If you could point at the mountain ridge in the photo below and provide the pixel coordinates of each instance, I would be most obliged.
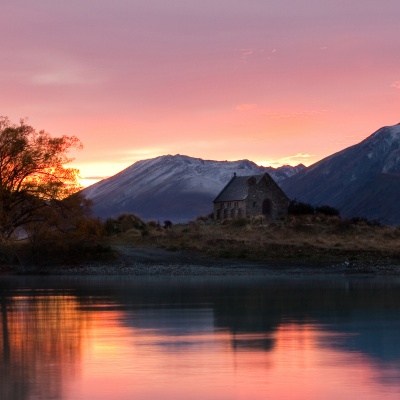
(356, 180)
(176, 187)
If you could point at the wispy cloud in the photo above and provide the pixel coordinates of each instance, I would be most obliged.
(279, 114)
(60, 69)
(57, 78)
(245, 107)
(296, 159)
(247, 53)
(395, 85)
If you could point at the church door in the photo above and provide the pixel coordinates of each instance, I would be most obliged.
(267, 207)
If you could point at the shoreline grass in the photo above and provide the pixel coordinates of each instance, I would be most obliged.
(308, 239)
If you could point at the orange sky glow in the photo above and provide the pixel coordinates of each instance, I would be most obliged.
(276, 82)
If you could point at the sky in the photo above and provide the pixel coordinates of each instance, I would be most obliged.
(273, 81)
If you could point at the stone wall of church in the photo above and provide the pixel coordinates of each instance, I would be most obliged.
(266, 198)
(229, 209)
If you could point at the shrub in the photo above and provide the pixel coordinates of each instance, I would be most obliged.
(300, 208)
(89, 228)
(365, 221)
(240, 222)
(205, 218)
(111, 227)
(328, 210)
(345, 226)
(124, 223)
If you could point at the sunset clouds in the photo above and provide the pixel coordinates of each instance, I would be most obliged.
(227, 79)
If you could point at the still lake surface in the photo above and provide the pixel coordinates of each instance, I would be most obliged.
(95, 338)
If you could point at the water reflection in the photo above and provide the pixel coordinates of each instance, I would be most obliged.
(41, 339)
(210, 338)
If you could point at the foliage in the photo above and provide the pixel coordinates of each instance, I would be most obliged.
(59, 233)
(124, 223)
(365, 221)
(300, 208)
(205, 218)
(70, 217)
(328, 210)
(32, 174)
(240, 222)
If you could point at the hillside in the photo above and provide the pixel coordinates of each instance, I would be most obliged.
(362, 180)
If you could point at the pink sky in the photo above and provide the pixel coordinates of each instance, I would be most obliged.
(277, 82)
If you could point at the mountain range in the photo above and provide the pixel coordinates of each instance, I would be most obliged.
(361, 181)
(172, 187)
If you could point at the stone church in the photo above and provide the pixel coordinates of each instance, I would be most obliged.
(246, 196)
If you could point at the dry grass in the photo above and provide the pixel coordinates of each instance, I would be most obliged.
(308, 239)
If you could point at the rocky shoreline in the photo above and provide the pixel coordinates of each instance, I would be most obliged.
(151, 261)
(230, 270)
(155, 261)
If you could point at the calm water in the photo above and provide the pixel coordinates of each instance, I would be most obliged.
(193, 338)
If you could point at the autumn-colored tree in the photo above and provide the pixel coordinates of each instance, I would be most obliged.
(62, 232)
(33, 175)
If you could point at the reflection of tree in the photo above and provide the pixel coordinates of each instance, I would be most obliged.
(41, 339)
(5, 336)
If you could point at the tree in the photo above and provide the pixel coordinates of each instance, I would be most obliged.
(33, 175)
(62, 232)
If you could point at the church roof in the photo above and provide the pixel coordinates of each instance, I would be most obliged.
(237, 188)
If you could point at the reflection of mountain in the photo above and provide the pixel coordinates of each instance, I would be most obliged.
(172, 322)
(374, 335)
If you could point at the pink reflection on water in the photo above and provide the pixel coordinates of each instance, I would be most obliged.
(123, 362)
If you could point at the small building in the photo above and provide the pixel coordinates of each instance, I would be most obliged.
(246, 196)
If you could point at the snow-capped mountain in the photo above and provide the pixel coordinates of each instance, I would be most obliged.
(178, 188)
(362, 180)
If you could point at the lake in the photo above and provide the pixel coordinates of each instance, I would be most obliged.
(183, 338)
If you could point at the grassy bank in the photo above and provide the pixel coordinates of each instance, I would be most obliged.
(304, 239)
(314, 240)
